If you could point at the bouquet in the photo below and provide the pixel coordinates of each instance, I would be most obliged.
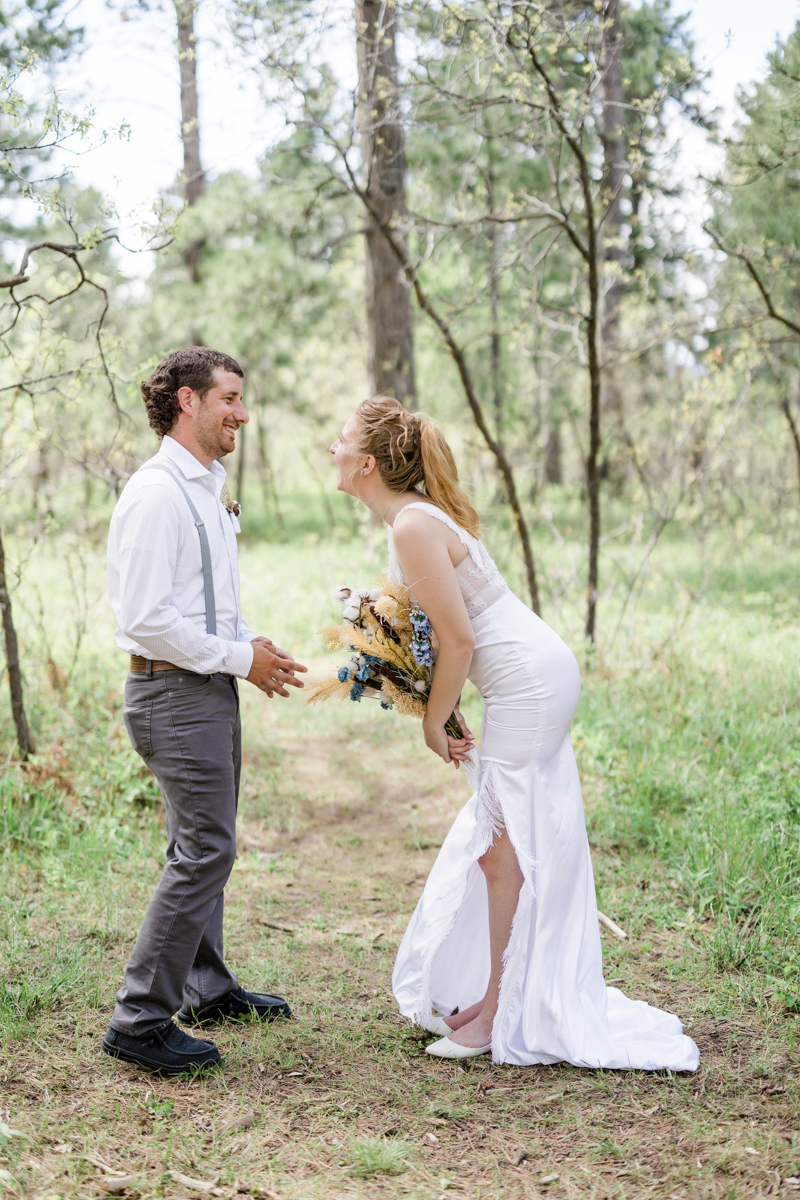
(392, 646)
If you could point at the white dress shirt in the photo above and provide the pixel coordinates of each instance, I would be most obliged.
(155, 570)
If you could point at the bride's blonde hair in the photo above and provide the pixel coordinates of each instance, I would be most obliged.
(410, 452)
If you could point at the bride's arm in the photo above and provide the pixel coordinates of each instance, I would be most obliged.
(421, 543)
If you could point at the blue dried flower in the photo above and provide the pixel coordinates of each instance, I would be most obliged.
(343, 674)
(423, 655)
(420, 622)
(362, 673)
(356, 691)
(385, 705)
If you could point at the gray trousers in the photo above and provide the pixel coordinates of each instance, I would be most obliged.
(187, 729)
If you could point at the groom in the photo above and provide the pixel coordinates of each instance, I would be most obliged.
(173, 581)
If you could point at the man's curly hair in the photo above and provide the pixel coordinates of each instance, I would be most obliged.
(192, 367)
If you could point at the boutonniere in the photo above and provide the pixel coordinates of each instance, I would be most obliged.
(231, 505)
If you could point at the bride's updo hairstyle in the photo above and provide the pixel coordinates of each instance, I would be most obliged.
(410, 453)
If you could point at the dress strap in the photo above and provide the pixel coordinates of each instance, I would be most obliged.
(472, 544)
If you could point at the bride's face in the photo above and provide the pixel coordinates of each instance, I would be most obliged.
(348, 459)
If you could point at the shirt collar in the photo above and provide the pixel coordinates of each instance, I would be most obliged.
(190, 467)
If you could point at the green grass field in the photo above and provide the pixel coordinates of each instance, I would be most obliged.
(687, 740)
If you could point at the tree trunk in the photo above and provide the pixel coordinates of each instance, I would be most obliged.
(592, 253)
(594, 265)
(787, 412)
(553, 472)
(240, 466)
(389, 329)
(494, 273)
(194, 184)
(24, 740)
(614, 168)
(267, 473)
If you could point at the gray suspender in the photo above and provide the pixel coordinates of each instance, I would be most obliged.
(205, 552)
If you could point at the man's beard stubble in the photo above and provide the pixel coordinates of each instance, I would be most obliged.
(209, 436)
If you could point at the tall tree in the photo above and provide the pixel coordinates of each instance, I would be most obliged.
(390, 344)
(615, 166)
(194, 184)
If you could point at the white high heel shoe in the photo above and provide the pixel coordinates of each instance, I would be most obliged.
(438, 1025)
(447, 1049)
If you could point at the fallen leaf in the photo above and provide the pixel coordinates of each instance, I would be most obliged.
(243, 1122)
(750, 1150)
(198, 1185)
(119, 1184)
(432, 1138)
(549, 1179)
(435, 1121)
(275, 925)
(104, 1166)
(520, 1157)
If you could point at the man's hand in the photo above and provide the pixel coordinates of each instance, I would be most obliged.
(273, 669)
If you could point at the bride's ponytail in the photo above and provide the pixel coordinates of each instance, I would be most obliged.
(441, 480)
(411, 453)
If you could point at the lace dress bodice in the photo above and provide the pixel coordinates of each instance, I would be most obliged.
(479, 579)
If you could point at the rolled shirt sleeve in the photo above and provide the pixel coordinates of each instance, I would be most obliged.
(141, 573)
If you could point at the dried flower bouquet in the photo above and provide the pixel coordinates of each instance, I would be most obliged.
(393, 652)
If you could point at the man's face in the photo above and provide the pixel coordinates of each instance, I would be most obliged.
(219, 414)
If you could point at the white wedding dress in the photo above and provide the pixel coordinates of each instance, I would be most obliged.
(554, 1004)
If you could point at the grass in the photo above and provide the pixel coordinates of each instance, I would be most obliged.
(689, 753)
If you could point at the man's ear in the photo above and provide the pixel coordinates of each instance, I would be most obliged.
(185, 398)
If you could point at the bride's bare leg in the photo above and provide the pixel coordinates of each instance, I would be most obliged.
(503, 881)
(463, 1018)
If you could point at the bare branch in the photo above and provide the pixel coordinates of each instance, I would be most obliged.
(766, 296)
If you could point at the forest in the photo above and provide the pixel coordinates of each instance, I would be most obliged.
(485, 209)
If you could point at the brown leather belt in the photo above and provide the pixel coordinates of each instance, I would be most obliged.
(139, 665)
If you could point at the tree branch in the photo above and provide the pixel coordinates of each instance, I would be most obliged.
(743, 257)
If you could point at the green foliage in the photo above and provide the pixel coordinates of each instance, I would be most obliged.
(700, 767)
(39, 27)
(380, 1156)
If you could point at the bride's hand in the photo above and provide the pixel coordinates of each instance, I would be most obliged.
(460, 748)
(454, 750)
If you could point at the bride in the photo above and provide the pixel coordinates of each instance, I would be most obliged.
(504, 941)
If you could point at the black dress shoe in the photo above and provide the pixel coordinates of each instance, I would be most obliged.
(166, 1050)
(237, 1005)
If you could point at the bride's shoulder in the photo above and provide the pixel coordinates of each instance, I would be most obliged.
(423, 521)
(417, 516)
(410, 522)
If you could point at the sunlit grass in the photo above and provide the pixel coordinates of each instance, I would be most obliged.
(380, 1156)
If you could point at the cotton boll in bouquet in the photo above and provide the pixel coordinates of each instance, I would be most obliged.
(393, 651)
